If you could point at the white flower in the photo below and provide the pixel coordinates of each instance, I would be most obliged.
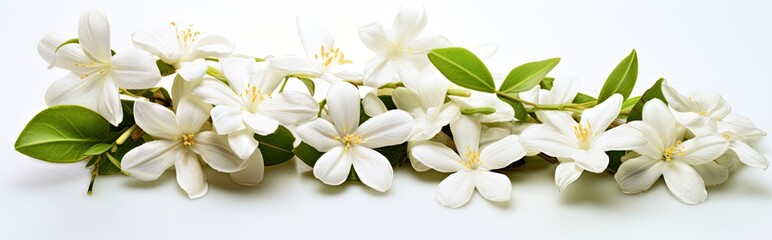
(666, 155)
(347, 143)
(179, 143)
(182, 49)
(426, 103)
(96, 74)
(400, 52)
(249, 106)
(582, 144)
(471, 165)
(323, 60)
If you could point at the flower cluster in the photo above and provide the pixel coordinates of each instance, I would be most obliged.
(419, 100)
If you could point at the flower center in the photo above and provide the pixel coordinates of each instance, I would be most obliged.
(675, 150)
(187, 140)
(472, 158)
(349, 138)
(330, 56)
(186, 36)
(400, 50)
(252, 97)
(584, 134)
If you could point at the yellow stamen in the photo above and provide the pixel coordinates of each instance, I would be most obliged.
(187, 36)
(349, 138)
(187, 140)
(584, 134)
(672, 151)
(330, 56)
(472, 158)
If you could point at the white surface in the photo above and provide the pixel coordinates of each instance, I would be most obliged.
(694, 44)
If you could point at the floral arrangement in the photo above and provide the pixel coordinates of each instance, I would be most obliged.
(419, 101)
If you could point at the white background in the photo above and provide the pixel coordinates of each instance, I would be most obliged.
(694, 44)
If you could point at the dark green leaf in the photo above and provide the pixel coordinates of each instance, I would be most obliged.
(463, 68)
(630, 103)
(527, 76)
(547, 83)
(622, 78)
(636, 113)
(307, 153)
(520, 112)
(62, 134)
(583, 98)
(388, 102)
(310, 85)
(164, 68)
(107, 167)
(615, 159)
(276, 147)
(396, 154)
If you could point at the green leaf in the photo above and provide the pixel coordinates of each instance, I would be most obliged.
(547, 83)
(165, 68)
(62, 134)
(583, 98)
(622, 79)
(157, 95)
(97, 149)
(655, 92)
(310, 85)
(396, 154)
(520, 112)
(307, 153)
(479, 110)
(107, 167)
(276, 147)
(388, 101)
(615, 160)
(630, 103)
(463, 68)
(527, 76)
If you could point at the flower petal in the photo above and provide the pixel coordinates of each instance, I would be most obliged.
(422, 46)
(243, 143)
(193, 70)
(227, 119)
(94, 35)
(493, 186)
(192, 114)
(71, 89)
(190, 175)
(546, 139)
(685, 183)
(503, 113)
(320, 134)
(654, 146)
(466, 132)
(217, 93)
(290, 108)
(237, 71)
(620, 138)
(592, 160)
(501, 153)
(566, 173)
(677, 101)
(47, 47)
(156, 120)
(390, 128)
(296, 64)
(314, 34)
(700, 150)
(407, 100)
(656, 114)
(373, 105)
(253, 174)
(456, 189)
(135, 69)
(150, 42)
(214, 150)
(212, 46)
(374, 37)
(407, 69)
(372, 168)
(600, 117)
(409, 23)
(259, 123)
(712, 173)
(748, 155)
(638, 174)
(563, 91)
(437, 156)
(109, 102)
(148, 161)
(380, 71)
(334, 166)
(343, 102)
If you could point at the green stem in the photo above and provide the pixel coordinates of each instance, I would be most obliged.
(211, 71)
(127, 93)
(536, 107)
(125, 135)
(94, 173)
(459, 92)
(286, 79)
(480, 110)
(321, 107)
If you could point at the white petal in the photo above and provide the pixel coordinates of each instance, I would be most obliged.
(135, 69)
(148, 161)
(150, 42)
(109, 102)
(237, 71)
(485, 52)
(676, 100)
(456, 189)
(243, 143)
(372, 168)
(592, 160)
(432, 88)
(212, 46)
(656, 113)
(290, 108)
(685, 183)
(192, 114)
(566, 173)
(654, 146)
(501, 153)
(380, 71)
(343, 102)
(621, 137)
(701, 150)
(94, 35)
(563, 91)
(193, 70)
(417, 165)
(712, 173)
(72, 57)
(699, 125)
(184, 88)
(214, 150)
(638, 174)
(334, 166)
(409, 23)
(259, 123)
(407, 69)
(390, 128)
(601, 116)
(72, 90)
(546, 139)
(217, 93)
(253, 174)
(560, 121)
(156, 120)
(190, 175)
(423, 45)
(373, 105)
(504, 111)
(47, 47)
(466, 134)
(320, 134)
(296, 64)
(748, 155)
(437, 156)
(493, 186)
(374, 38)
(227, 119)
(407, 100)
(314, 34)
